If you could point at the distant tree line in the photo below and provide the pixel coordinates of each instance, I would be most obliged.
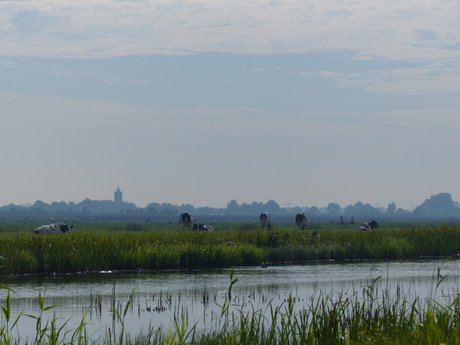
(440, 205)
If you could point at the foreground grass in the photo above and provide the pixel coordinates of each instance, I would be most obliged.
(369, 317)
(93, 249)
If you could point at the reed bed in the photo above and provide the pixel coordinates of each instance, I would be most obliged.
(370, 316)
(109, 248)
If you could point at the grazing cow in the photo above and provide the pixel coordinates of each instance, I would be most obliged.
(369, 225)
(265, 220)
(301, 220)
(54, 228)
(198, 226)
(185, 219)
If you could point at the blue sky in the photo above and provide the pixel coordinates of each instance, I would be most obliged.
(203, 102)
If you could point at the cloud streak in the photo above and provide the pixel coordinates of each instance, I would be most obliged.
(408, 30)
(425, 34)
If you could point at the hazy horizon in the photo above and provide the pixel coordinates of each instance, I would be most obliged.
(286, 206)
(203, 102)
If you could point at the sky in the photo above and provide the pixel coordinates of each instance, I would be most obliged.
(203, 102)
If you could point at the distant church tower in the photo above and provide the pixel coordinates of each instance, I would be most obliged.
(118, 196)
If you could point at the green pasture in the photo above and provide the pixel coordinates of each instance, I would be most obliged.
(131, 246)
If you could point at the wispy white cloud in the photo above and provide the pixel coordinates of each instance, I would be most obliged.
(9, 64)
(409, 30)
(431, 79)
(110, 80)
(329, 73)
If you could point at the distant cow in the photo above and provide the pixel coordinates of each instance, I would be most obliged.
(301, 220)
(264, 219)
(55, 228)
(204, 227)
(185, 219)
(369, 225)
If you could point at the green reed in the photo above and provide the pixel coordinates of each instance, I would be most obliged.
(93, 249)
(370, 316)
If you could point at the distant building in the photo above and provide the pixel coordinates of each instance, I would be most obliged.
(118, 196)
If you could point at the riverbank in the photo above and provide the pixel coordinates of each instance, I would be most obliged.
(102, 248)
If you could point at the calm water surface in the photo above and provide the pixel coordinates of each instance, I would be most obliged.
(159, 297)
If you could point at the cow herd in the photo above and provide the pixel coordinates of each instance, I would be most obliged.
(301, 222)
(190, 223)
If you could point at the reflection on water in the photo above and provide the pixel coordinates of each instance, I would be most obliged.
(160, 297)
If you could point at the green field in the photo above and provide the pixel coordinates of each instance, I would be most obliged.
(131, 246)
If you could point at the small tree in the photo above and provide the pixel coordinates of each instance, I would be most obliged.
(333, 209)
(391, 209)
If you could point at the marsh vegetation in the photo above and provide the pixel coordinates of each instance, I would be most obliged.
(156, 247)
(371, 314)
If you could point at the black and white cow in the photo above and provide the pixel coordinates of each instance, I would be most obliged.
(204, 227)
(301, 220)
(185, 219)
(54, 228)
(369, 225)
(264, 219)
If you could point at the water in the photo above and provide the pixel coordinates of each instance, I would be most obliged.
(160, 297)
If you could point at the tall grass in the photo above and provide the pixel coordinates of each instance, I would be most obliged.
(93, 249)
